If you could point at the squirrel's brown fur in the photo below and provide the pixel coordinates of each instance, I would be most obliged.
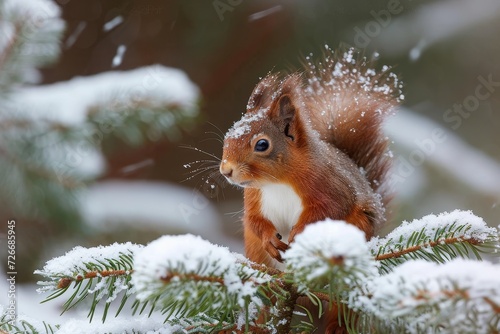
(348, 100)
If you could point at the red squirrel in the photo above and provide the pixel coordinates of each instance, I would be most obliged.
(310, 147)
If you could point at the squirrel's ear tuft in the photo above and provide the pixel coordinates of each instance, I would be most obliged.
(289, 99)
(262, 94)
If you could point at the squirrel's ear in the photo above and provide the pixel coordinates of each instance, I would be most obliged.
(262, 94)
(289, 97)
(286, 109)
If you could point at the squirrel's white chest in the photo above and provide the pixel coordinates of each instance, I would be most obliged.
(282, 206)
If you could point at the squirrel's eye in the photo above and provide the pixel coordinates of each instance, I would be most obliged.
(262, 145)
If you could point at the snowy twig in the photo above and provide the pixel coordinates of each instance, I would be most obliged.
(436, 238)
(447, 241)
(106, 271)
(461, 296)
(66, 281)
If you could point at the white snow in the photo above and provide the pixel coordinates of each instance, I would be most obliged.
(447, 293)
(115, 204)
(69, 102)
(75, 34)
(264, 13)
(434, 21)
(73, 263)
(117, 59)
(35, 20)
(82, 159)
(408, 129)
(344, 75)
(174, 256)
(428, 225)
(113, 23)
(323, 241)
(417, 50)
(44, 11)
(244, 125)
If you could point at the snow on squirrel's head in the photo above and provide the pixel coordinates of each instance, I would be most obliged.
(259, 147)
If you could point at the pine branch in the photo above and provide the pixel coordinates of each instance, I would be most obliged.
(411, 249)
(184, 276)
(436, 238)
(201, 287)
(56, 145)
(99, 272)
(328, 260)
(66, 281)
(24, 325)
(461, 296)
(32, 32)
(39, 171)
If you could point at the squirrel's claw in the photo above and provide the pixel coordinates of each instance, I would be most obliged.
(273, 247)
(295, 230)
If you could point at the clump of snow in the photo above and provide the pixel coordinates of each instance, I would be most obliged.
(244, 125)
(156, 85)
(171, 258)
(243, 315)
(329, 245)
(31, 27)
(80, 260)
(457, 296)
(474, 228)
(31, 16)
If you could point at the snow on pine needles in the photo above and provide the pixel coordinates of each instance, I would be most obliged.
(80, 261)
(461, 296)
(188, 275)
(437, 238)
(330, 252)
(194, 284)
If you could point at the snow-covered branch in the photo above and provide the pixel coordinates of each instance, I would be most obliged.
(187, 276)
(198, 286)
(436, 238)
(98, 271)
(330, 257)
(54, 138)
(461, 296)
(30, 38)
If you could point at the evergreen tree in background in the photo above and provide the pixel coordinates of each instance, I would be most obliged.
(52, 136)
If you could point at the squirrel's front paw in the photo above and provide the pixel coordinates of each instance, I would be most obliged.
(273, 245)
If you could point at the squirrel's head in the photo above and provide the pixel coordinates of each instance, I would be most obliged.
(259, 148)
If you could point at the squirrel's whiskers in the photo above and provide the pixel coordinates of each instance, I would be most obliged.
(208, 170)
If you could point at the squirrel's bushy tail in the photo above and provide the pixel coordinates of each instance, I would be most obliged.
(348, 100)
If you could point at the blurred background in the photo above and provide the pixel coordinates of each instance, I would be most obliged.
(136, 180)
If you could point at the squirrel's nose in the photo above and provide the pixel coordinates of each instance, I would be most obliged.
(226, 169)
